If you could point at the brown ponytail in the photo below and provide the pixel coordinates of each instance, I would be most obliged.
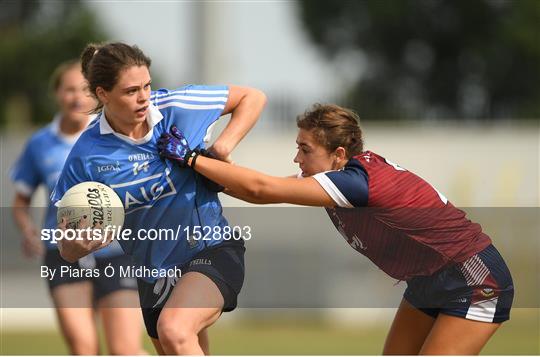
(86, 57)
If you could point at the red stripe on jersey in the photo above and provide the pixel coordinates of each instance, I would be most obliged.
(408, 229)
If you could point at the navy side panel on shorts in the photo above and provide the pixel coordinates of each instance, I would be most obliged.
(480, 289)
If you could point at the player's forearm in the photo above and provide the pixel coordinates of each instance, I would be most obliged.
(21, 214)
(244, 183)
(87, 240)
(22, 218)
(243, 117)
(73, 250)
(68, 251)
(256, 187)
(239, 196)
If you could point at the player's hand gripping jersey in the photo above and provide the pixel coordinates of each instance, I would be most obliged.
(156, 193)
(407, 228)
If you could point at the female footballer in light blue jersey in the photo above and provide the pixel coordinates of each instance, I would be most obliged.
(74, 297)
(119, 149)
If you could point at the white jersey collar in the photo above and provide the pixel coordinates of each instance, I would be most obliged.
(154, 116)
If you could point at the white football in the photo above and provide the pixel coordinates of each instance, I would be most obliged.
(97, 201)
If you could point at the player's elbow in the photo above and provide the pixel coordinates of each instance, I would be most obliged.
(262, 97)
(257, 96)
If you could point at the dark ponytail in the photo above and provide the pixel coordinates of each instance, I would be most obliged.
(86, 57)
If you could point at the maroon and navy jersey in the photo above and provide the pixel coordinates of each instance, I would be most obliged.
(399, 221)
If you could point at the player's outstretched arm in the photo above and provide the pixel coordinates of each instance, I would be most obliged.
(256, 187)
(245, 106)
(250, 185)
(236, 195)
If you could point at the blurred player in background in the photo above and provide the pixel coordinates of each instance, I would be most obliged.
(157, 195)
(77, 299)
(459, 289)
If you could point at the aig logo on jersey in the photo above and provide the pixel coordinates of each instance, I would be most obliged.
(143, 192)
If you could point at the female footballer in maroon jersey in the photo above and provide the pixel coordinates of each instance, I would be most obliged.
(459, 289)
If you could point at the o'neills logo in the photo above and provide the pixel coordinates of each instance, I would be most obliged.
(95, 199)
(200, 261)
(141, 157)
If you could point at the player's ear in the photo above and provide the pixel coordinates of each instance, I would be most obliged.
(102, 95)
(341, 154)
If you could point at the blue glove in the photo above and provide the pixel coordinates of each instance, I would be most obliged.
(174, 146)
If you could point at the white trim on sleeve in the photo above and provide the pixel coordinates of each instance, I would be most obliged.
(332, 190)
(190, 98)
(23, 188)
(190, 91)
(209, 131)
(191, 106)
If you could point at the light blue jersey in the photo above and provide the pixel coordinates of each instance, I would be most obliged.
(156, 193)
(41, 163)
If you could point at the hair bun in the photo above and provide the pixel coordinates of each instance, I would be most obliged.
(86, 57)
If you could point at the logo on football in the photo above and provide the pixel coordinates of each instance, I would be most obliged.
(97, 201)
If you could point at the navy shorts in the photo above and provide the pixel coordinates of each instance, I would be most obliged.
(102, 285)
(479, 289)
(223, 264)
